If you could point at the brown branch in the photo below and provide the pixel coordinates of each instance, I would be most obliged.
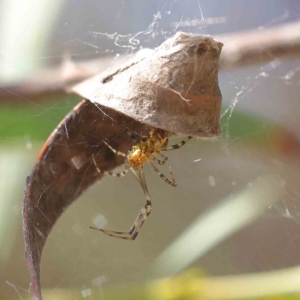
(240, 50)
(260, 46)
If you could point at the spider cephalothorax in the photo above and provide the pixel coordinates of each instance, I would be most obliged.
(147, 150)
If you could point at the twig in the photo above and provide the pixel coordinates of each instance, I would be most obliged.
(260, 46)
(240, 50)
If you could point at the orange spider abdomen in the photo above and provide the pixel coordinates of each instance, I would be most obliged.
(137, 158)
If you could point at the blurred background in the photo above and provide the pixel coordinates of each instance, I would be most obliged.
(236, 209)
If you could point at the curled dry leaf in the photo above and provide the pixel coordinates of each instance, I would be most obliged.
(174, 88)
(64, 169)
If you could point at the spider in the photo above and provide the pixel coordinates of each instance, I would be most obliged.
(147, 150)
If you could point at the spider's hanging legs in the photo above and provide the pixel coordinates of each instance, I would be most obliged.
(162, 176)
(136, 227)
(160, 162)
(139, 175)
(165, 158)
(177, 146)
(141, 217)
(114, 150)
(121, 174)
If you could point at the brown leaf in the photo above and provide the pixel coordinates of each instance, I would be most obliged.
(64, 169)
(174, 88)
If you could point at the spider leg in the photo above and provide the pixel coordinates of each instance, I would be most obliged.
(114, 150)
(160, 162)
(176, 146)
(121, 174)
(165, 158)
(135, 228)
(141, 217)
(162, 176)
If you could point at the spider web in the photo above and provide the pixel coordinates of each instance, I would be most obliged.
(260, 137)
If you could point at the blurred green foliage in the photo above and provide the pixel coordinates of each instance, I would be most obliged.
(36, 120)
